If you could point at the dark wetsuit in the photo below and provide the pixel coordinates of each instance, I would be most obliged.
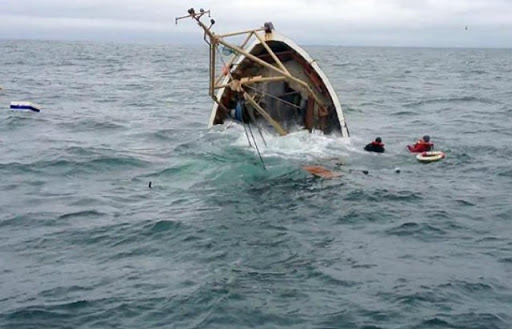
(375, 147)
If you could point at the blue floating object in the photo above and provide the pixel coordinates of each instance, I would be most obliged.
(25, 106)
(227, 51)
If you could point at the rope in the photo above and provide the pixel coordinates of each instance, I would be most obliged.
(245, 129)
(261, 135)
(243, 122)
(257, 149)
(253, 118)
(253, 140)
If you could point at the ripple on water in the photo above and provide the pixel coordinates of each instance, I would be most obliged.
(471, 320)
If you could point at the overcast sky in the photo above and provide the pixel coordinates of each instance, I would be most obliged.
(439, 23)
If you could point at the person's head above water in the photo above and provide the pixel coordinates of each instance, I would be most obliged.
(426, 138)
(378, 140)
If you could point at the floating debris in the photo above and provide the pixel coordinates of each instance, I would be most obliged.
(322, 172)
(25, 106)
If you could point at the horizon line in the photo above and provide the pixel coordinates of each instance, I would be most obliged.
(198, 44)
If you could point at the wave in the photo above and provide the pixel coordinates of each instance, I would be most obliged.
(82, 214)
(103, 312)
(381, 195)
(404, 113)
(22, 119)
(478, 289)
(477, 72)
(338, 64)
(160, 226)
(99, 163)
(420, 298)
(506, 260)
(87, 124)
(434, 322)
(469, 320)
(505, 173)
(125, 238)
(449, 100)
(418, 230)
(28, 219)
(350, 109)
(177, 170)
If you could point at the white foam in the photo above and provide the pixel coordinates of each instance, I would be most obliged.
(300, 145)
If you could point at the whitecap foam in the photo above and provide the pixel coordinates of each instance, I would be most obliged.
(300, 145)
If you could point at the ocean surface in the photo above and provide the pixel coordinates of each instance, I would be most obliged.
(220, 242)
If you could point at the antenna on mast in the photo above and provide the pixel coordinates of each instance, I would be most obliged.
(192, 13)
(197, 17)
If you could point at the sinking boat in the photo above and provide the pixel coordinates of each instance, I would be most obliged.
(268, 81)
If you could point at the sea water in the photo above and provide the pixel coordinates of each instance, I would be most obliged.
(220, 242)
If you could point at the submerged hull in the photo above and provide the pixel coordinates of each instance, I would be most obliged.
(290, 103)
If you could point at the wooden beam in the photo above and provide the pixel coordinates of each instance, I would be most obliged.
(212, 68)
(271, 52)
(265, 115)
(238, 33)
(251, 80)
(255, 59)
(271, 67)
(234, 57)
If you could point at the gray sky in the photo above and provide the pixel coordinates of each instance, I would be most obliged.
(322, 22)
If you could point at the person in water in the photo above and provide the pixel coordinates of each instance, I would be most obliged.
(375, 146)
(423, 145)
